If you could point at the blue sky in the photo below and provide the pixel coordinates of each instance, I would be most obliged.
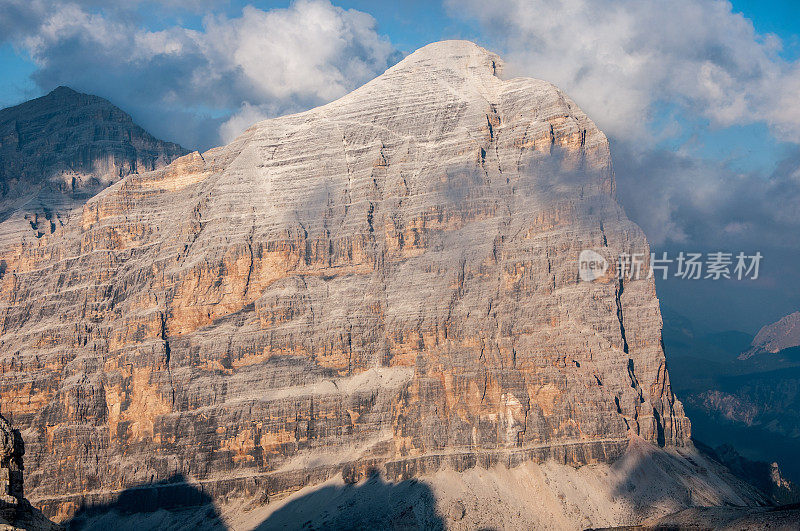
(699, 98)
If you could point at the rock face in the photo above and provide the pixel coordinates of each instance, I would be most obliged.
(59, 150)
(11, 487)
(775, 337)
(386, 282)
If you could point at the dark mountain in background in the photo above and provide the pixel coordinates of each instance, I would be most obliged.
(739, 390)
(59, 150)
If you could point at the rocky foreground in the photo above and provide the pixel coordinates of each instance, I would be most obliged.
(15, 511)
(383, 287)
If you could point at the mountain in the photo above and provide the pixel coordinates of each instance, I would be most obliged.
(767, 477)
(59, 150)
(775, 337)
(385, 286)
(756, 412)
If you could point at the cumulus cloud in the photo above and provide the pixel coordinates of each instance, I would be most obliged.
(244, 118)
(620, 59)
(273, 61)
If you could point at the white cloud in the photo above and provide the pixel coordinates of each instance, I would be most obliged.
(273, 61)
(244, 118)
(651, 73)
(619, 59)
(310, 50)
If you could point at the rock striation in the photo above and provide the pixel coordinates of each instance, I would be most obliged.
(387, 282)
(59, 150)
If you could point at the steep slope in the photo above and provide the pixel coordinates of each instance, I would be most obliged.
(647, 482)
(61, 149)
(386, 282)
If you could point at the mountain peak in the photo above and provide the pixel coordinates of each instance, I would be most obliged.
(780, 335)
(407, 254)
(454, 54)
(63, 90)
(60, 149)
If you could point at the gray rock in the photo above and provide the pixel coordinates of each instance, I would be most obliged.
(456, 511)
(12, 492)
(15, 511)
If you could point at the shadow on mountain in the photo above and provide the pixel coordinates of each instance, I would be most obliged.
(672, 479)
(176, 504)
(373, 504)
(172, 503)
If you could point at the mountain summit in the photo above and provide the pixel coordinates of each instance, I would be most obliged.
(385, 283)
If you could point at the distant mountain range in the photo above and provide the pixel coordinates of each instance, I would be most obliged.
(740, 389)
(775, 337)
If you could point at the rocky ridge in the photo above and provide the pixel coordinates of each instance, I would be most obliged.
(15, 511)
(772, 338)
(388, 282)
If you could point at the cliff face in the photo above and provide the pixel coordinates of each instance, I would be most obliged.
(389, 281)
(59, 150)
(11, 469)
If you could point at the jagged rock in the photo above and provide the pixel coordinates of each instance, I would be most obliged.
(11, 487)
(15, 511)
(385, 283)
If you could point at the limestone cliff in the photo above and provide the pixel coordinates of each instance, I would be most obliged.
(388, 282)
